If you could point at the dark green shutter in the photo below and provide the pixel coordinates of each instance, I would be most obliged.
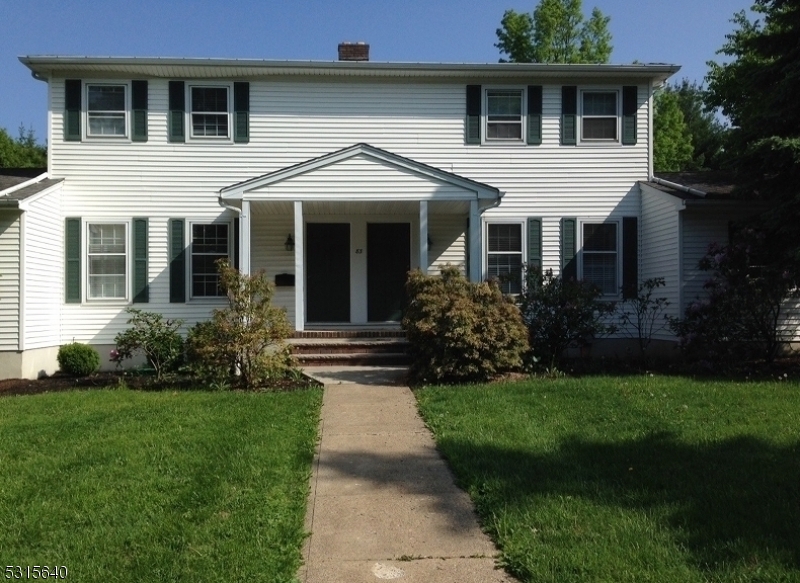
(473, 121)
(72, 110)
(139, 103)
(72, 265)
(141, 288)
(534, 115)
(177, 262)
(236, 243)
(630, 257)
(241, 112)
(629, 106)
(569, 115)
(177, 111)
(569, 246)
(534, 242)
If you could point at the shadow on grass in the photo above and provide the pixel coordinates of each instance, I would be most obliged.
(727, 502)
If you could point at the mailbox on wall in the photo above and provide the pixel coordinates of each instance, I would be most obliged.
(284, 280)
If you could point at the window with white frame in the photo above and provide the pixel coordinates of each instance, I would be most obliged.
(210, 243)
(106, 110)
(504, 255)
(210, 111)
(600, 116)
(107, 254)
(504, 119)
(600, 256)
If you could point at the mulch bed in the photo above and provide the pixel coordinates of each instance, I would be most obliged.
(112, 380)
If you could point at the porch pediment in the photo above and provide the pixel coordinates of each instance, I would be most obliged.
(360, 173)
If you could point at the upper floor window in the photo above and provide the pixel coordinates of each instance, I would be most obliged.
(504, 119)
(599, 116)
(210, 112)
(106, 110)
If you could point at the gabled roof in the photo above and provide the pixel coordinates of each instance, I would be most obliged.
(471, 188)
(16, 189)
(44, 66)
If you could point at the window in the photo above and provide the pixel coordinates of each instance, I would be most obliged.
(107, 250)
(209, 244)
(599, 116)
(599, 256)
(504, 115)
(210, 112)
(106, 110)
(504, 259)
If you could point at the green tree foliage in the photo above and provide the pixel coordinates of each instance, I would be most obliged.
(758, 90)
(708, 133)
(556, 32)
(154, 336)
(672, 148)
(22, 152)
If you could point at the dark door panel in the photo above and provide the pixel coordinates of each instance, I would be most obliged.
(328, 272)
(388, 263)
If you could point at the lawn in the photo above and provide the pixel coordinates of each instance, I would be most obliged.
(121, 485)
(630, 479)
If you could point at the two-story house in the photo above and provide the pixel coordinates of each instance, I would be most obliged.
(334, 177)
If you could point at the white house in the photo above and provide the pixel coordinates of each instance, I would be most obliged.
(334, 177)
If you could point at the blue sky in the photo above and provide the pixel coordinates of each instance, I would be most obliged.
(683, 32)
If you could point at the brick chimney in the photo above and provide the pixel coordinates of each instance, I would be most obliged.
(353, 51)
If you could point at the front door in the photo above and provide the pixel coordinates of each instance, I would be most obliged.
(328, 269)
(388, 263)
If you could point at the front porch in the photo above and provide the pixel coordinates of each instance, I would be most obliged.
(339, 233)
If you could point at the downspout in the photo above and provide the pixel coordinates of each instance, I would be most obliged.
(230, 207)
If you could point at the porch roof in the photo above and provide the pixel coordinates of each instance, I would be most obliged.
(360, 172)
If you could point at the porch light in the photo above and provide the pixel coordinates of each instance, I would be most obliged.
(430, 243)
(289, 243)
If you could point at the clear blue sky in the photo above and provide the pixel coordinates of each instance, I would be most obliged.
(683, 32)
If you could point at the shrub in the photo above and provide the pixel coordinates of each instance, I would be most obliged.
(561, 314)
(642, 316)
(155, 337)
(243, 343)
(740, 317)
(461, 331)
(78, 359)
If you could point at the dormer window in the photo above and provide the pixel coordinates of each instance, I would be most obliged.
(106, 111)
(210, 112)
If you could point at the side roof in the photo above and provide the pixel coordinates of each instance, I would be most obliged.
(46, 66)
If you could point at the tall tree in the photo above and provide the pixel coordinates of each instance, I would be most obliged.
(758, 90)
(23, 152)
(707, 132)
(556, 32)
(672, 148)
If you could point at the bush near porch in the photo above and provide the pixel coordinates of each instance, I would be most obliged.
(461, 331)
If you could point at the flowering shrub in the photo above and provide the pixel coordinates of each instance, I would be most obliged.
(740, 316)
(562, 313)
(155, 337)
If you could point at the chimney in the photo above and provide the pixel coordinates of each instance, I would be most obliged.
(353, 51)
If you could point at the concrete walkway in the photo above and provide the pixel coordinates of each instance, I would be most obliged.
(383, 504)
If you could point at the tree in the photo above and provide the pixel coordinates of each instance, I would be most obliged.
(672, 150)
(758, 92)
(556, 32)
(24, 152)
(707, 132)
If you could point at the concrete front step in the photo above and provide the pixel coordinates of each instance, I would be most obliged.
(348, 346)
(354, 359)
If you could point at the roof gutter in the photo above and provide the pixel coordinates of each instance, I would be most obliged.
(680, 187)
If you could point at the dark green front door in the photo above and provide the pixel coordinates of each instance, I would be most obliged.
(388, 263)
(328, 269)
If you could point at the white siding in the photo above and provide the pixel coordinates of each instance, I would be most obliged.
(447, 235)
(660, 255)
(44, 271)
(9, 279)
(268, 253)
(294, 121)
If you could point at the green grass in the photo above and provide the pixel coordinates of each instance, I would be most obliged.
(630, 479)
(168, 486)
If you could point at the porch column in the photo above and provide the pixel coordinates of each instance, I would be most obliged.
(423, 236)
(475, 259)
(299, 268)
(244, 238)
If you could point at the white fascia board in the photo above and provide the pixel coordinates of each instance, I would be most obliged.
(22, 185)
